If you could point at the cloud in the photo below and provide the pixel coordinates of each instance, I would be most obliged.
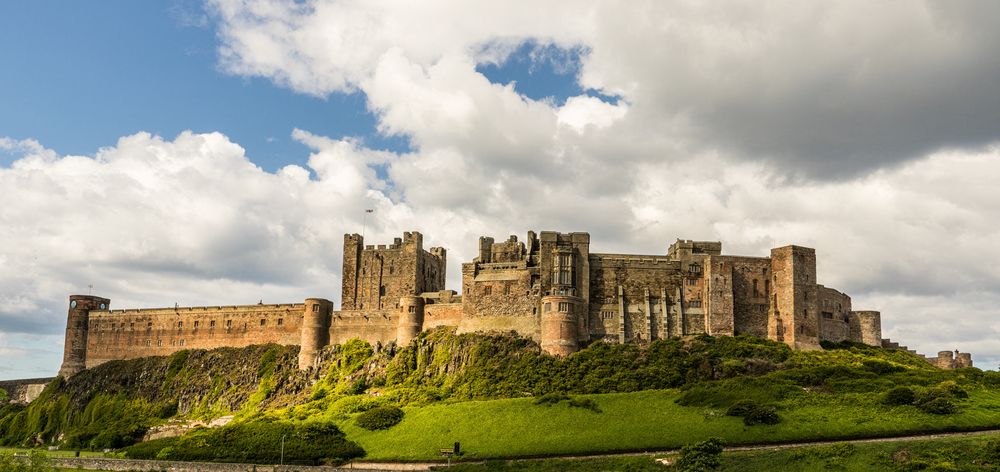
(826, 91)
(864, 130)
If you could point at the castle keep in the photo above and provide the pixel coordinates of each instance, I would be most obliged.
(549, 287)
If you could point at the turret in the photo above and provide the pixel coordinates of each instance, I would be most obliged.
(411, 319)
(315, 330)
(946, 360)
(351, 273)
(560, 323)
(963, 359)
(77, 326)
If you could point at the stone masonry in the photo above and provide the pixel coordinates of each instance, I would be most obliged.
(549, 287)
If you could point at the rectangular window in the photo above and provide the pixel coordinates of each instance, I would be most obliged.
(229, 324)
(548, 307)
(149, 326)
(564, 307)
(196, 323)
(263, 322)
(147, 343)
(827, 315)
(315, 308)
(411, 309)
(694, 304)
(211, 324)
(131, 326)
(281, 321)
(487, 290)
(181, 342)
(159, 343)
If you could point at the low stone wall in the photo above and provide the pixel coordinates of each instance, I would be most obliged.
(131, 465)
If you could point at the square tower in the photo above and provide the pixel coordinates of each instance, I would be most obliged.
(793, 313)
(376, 277)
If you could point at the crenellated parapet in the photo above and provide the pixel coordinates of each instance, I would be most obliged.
(548, 287)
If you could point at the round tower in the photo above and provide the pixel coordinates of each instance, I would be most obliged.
(411, 319)
(946, 359)
(315, 330)
(559, 324)
(77, 326)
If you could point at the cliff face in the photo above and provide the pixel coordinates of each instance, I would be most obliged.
(116, 402)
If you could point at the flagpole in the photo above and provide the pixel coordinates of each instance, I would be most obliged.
(364, 222)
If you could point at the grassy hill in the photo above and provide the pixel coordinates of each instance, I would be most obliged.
(484, 391)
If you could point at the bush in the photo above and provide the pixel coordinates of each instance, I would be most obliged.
(253, 442)
(938, 406)
(38, 461)
(899, 396)
(754, 413)
(585, 403)
(383, 417)
(550, 399)
(761, 415)
(881, 367)
(741, 408)
(701, 456)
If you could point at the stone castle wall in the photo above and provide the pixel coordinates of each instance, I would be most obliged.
(392, 292)
(127, 334)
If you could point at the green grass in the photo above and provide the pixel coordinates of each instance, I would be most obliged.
(647, 420)
(59, 453)
(978, 453)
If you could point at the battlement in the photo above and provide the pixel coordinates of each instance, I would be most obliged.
(548, 287)
(683, 248)
(200, 309)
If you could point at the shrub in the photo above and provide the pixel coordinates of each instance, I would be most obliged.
(938, 406)
(741, 408)
(953, 389)
(761, 415)
(550, 399)
(899, 396)
(700, 456)
(383, 417)
(253, 442)
(754, 413)
(881, 367)
(585, 403)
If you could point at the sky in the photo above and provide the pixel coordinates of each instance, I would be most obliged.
(216, 153)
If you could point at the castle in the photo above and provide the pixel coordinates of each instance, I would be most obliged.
(550, 288)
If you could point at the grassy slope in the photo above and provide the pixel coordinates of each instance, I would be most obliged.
(979, 453)
(645, 420)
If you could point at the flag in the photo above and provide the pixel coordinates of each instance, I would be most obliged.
(369, 211)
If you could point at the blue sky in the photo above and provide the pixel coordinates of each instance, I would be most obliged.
(92, 72)
(638, 123)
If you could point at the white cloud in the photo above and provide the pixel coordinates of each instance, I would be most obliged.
(860, 129)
